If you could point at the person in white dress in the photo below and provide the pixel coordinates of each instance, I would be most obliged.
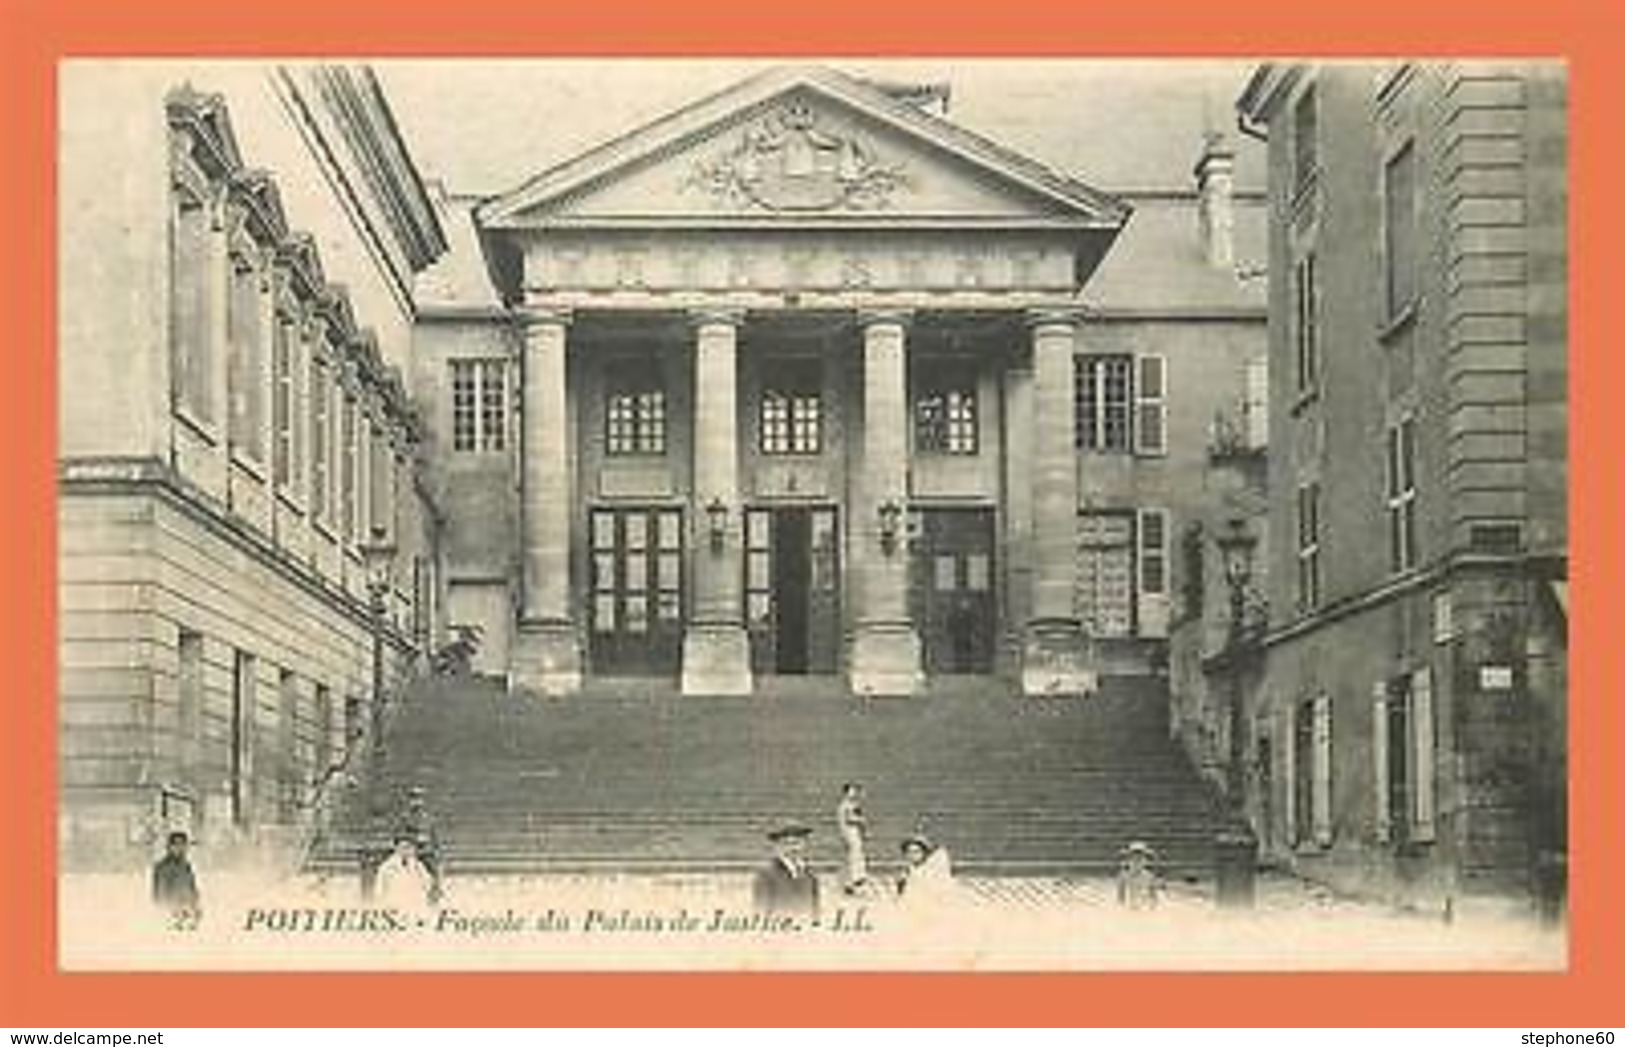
(404, 882)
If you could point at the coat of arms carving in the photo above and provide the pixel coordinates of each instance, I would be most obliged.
(787, 162)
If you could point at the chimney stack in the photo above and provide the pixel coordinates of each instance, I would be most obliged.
(1215, 183)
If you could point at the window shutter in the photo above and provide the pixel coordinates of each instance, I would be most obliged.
(1151, 396)
(1322, 786)
(1152, 531)
(1421, 720)
(1379, 762)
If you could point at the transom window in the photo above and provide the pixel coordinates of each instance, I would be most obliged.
(945, 419)
(635, 416)
(792, 417)
(479, 402)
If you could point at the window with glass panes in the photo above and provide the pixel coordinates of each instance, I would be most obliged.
(321, 437)
(1102, 401)
(791, 417)
(945, 419)
(479, 405)
(1399, 230)
(1402, 495)
(635, 416)
(283, 395)
(1308, 546)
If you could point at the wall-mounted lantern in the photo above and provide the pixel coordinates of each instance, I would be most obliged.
(891, 522)
(716, 515)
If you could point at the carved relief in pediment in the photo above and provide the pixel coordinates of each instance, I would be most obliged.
(788, 161)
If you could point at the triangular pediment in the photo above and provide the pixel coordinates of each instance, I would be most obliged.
(801, 145)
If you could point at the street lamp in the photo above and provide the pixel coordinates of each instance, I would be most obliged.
(378, 556)
(1238, 848)
(716, 514)
(891, 520)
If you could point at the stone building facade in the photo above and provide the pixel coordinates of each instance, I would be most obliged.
(1408, 735)
(238, 246)
(805, 379)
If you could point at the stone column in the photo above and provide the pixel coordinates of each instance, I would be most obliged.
(885, 648)
(716, 651)
(1054, 662)
(547, 648)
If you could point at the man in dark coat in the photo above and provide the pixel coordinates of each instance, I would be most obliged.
(787, 885)
(174, 887)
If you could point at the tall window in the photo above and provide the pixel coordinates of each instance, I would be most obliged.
(349, 452)
(792, 410)
(1312, 772)
(1399, 247)
(189, 685)
(321, 437)
(1308, 546)
(191, 352)
(381, 463)
(945, 419)
(284, 335)
(1402, 747)
(1305, 138)
(1402, 495)
(479, 405)
(635, 415)
(244, 322)
(1306, 317)
(1153, 552)
(1101, 402)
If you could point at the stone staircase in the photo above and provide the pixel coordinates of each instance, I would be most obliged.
(632, 777)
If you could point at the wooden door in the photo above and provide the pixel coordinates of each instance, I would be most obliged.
(637, 590)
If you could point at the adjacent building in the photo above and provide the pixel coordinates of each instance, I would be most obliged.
(805, 379)
(1408, 733)
(237, 251)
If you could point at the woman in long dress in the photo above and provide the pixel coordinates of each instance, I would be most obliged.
(850, 823)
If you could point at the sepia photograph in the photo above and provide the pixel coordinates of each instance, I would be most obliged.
(730, 514)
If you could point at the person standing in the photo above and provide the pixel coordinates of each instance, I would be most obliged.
(786, 884)
(403, 881)
(851, 824)
(174, 885)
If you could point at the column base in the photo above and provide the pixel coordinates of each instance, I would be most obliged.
(546, 659)
(1055, 661)
(716, 660)
(885, 661)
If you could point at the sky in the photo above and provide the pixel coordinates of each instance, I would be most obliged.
(484, 126)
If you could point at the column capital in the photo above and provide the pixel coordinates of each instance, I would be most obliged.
(530, 316)
(716, 316)
(1064, 315)
(875, 316)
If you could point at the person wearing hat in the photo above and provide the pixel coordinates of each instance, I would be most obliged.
(174, 886)
(1138, 885)
(786, 884)
(928, 872)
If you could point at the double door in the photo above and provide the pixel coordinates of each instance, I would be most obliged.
(636, 612)
(792, 589)
(951, 588)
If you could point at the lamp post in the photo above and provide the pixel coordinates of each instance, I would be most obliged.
(1237, 847)
(378, 555)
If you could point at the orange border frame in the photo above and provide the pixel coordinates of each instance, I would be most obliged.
(35, 33)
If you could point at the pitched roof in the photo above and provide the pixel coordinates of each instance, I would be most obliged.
(688, 122)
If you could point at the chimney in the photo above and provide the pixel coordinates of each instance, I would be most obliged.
(1215, 181)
